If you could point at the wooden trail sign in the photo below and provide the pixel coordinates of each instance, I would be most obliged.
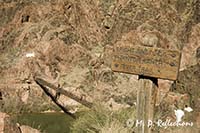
(147, 61)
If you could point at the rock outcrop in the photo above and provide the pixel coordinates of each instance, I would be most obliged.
(76, 38)
(6, 125)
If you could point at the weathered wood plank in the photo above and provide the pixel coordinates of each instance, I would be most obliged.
(54, 99)
(146, 99)
(64, 92)
(147, 61)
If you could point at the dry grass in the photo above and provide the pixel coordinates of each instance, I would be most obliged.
(102, 120)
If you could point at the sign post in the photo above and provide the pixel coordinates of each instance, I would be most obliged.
(146, 99)
(150, 63)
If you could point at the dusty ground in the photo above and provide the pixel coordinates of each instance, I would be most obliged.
(75, 39)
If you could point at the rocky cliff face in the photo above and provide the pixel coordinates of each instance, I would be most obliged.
(75, 39)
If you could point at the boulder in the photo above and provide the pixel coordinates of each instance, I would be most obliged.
(27, 129)
(190, 51)
(6, 125)
(2, 117)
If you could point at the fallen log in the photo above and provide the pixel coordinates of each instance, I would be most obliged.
(63, 92)
(54, 99)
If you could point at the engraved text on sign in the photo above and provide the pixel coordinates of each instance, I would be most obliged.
(147, 61)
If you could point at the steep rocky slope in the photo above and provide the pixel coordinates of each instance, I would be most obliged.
(74, 39)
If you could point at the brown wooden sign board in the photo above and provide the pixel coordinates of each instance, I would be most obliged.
(147, 61)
